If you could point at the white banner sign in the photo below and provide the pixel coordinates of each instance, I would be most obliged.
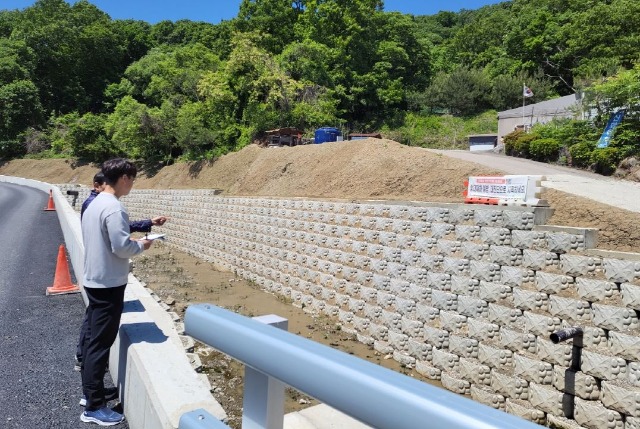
(502, 187)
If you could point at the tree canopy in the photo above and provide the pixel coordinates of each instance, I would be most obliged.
(74, 82)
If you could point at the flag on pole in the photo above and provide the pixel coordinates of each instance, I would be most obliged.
(526, 92)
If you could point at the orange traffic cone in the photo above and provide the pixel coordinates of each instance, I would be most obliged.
(50, 206)
(62, 281)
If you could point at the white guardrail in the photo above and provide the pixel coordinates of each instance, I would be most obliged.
(372, 394)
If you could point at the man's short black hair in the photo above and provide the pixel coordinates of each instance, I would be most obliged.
(98, 178)
(115, 168)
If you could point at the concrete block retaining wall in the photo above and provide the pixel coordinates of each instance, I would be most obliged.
(464, 294)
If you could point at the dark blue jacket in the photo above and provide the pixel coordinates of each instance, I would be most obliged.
(135, 226)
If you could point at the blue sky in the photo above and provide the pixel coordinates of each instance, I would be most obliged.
(214, 11)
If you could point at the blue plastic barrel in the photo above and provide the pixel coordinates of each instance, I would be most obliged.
(326, 134)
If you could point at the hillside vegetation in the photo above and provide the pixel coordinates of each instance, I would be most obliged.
(75, 83)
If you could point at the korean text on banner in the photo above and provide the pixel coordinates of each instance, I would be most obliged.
(504, 187)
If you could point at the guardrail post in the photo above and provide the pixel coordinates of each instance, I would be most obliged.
(263, 403)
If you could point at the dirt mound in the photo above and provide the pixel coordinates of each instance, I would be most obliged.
(363, 169)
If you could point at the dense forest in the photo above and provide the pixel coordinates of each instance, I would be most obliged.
(76, 83)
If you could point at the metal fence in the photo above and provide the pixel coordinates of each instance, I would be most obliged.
(374, 395)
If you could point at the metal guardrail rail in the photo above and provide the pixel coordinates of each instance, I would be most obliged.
(372, 394)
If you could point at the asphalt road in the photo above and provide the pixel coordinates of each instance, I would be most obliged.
(38, 387)
(617, 193)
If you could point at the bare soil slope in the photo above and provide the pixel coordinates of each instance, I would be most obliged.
(364, 169)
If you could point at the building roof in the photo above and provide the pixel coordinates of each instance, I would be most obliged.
(557, 106)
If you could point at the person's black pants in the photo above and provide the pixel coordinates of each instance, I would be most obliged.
(83, 335)
(103, 315)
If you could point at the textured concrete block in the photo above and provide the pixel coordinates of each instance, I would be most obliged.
(472, 307)
(620, 270)
(525, 410)
(453, 384)
(552, 283)
(463, 347)
(447, 362)
(460, 215)
(408, 257)
(378, 332)
(440, 281)
(404, 359)
(385, 300)
(624, 345)
(593, 415)
(576, 383)
(448, 247)
(505, 255)
(462, 285)
(429, 371)
(532, 370)
(430, 262)
(383, 347)
(561, 242)
(488, 397)
(426, 313)
(571, 310)
(482, 330)
(467, 232)
(455, 266)
(444, 300)
(452, 321)
(515, 276)
(549, 400)
(558, 422)
(539, 324)
(614, 318)
(474, 251)
(536, 240)
(630, 295)
(390, 319)
(504, 316)
(557, 354)
(622, 398)
(530, 300)
(412, 328)
(576, 265)
(592, 337)
(509, 385)
(595, 290)
(495, 236)
(516, 341)
(539, 259)
(368, 294)
(519, 220)
(398, 340)
(494, 292)
(484, 270)
(603, 366)
(442, 230)
(474, 372)
(488, 217)
(420, 350)
(414, 292)
(495, 357)
(425, 244)
(416, 275)
(438, 338)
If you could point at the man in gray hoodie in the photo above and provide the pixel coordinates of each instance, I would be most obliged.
(108, 247)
